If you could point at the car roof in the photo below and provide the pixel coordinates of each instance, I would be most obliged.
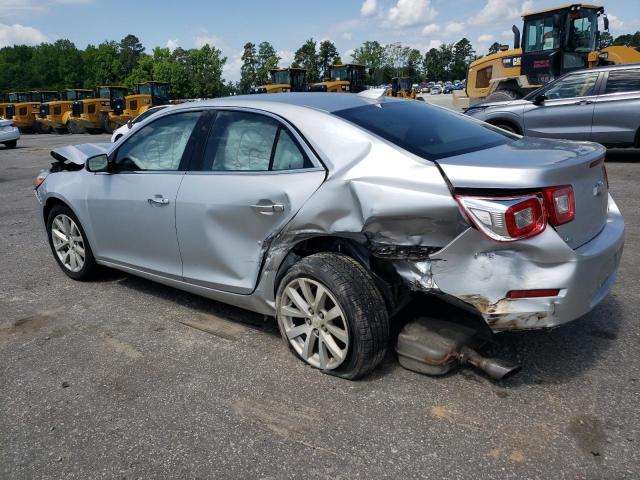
(606, 68)
(327, 102)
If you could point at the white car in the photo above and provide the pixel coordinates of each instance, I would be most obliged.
(9, 133)
(130, 126)
(436, 90)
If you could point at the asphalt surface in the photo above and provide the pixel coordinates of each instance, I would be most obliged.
(124, 378)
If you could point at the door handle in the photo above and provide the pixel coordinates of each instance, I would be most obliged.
(158, 200)
(268, 208)
(584, 102)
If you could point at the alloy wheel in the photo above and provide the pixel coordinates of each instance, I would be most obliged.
(68, 242)
(314, 323)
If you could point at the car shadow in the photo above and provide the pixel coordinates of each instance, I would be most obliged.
(195, 302)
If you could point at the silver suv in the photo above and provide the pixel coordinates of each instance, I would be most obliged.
(601, 105)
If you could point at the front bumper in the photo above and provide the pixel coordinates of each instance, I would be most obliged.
(477, 273)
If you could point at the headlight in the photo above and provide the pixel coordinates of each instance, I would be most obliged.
(40, 178)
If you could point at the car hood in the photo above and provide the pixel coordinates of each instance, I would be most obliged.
(78, 154)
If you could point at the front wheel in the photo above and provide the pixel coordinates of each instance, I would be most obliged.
(332, 315)
(74, 128)
(69, 244)
(11, 144)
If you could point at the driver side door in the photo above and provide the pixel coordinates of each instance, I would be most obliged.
(567, 111)
(132, 207)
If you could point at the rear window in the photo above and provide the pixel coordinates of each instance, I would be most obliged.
(423, 130)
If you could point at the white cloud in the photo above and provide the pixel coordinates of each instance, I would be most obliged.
(172, 44)
(17, 34)
(434, 44)
(348, 54)
(231, 69)
(204, 39)
(347, 35)
(500, 9)
(286, 57)
(408, 13)
(615, 23)
(431, 28)
(369, 8)
(453, 28)
(486, 37)
(30, 7)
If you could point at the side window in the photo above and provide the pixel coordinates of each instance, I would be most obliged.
(158, 145)
(287, 155)
(621, 81)
(577, 85)
(242, 141)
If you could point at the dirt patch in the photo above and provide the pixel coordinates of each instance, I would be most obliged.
(590, 434)
(120, 346)
(218, 326)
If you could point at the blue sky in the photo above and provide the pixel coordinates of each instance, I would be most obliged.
(286, 24)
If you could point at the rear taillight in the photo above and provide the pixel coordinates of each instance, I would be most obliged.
(505, 219)
(560, 203)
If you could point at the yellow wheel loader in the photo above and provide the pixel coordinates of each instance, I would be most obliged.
(145, 95)
(57, 115)
(348, 78)
(555, 41)
(284, 80)
(4, 103)
(402, 87)
(88, 114)
(25, 107)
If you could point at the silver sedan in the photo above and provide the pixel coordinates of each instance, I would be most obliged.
(601, 105)
(328, 211)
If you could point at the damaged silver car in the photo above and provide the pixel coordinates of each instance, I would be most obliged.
(330, 211)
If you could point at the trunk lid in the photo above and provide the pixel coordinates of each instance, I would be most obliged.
(532, 163)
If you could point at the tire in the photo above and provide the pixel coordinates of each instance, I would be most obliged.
(362, 344)
(106, 124)
(62, 219)
(39, 128)
(61, 131)
(11, 144)
(503, 96)
(507, 127)
(74, 128)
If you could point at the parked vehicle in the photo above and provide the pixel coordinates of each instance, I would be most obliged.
(347, 78)
(9, 133)
(56, 115)
(436, 89)
(284, 80)
(601, 105)
(395, 199)
(132, 125)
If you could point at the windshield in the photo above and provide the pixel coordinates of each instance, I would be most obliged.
(540, 35)
(160, 90)
(404, 84)
(17, 97)
(49, 96)
(583, 27)
(297, 80)
(280, 77)
(144, 89)
(423, 130)
(338, 74)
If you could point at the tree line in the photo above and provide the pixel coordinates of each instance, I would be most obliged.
(198, 72)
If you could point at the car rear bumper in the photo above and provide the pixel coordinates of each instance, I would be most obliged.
(476, 273)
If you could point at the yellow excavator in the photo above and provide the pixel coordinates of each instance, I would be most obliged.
(401, 87)
(347, 78)
(284, 80)
(145, 95)
(57, 114)
(555, 41)
(25, 107)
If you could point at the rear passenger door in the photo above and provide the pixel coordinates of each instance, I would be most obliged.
(254, 174)
(568, 110)
(616, 118)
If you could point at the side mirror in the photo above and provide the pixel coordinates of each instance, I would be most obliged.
(605, 22)
(539, 100)
(130, 124)
(99, 163)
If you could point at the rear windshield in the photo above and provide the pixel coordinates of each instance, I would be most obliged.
(423, 130)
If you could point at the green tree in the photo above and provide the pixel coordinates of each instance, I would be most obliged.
(414, 61)
(631, 40)
(462, 54)
(267, 60)
(307, 57)
(606, 39)
(249, 68)
(328, 55)
(204, 66)
(131, 50)
(103, 65)
(371, 54)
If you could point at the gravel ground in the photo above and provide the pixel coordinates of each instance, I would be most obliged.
(106, 380)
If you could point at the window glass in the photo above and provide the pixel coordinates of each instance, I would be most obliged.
(540, 35)
(240, 141)
(578, 85)
(158, 145)
(147, 114)
(623, 81)
(424, 130)
(582, 32)
(483, 77)
(287, 155)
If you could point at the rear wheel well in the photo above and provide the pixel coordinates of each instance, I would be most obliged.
(384, 275)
